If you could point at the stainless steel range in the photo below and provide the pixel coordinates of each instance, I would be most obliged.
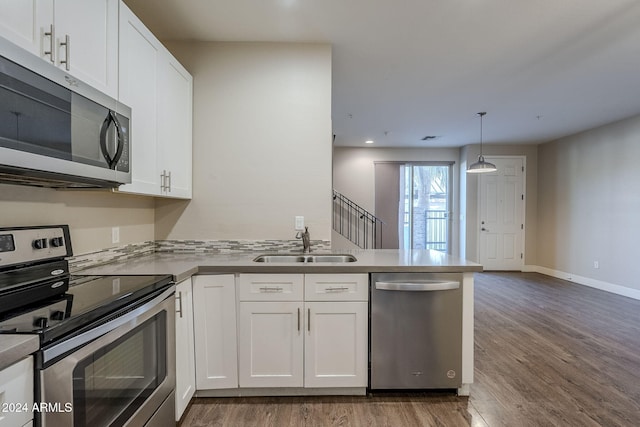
(107, 343)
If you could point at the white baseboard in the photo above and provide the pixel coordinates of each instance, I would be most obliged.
(586, 281)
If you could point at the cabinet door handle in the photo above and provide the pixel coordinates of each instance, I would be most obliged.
(163, 178)
(271, 289)
(337, 289)
(67, 58)
(179, 298)
(298, 319)
(169, 180)
(52, 51)
(309, 319)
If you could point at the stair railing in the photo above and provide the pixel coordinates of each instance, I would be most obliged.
(355, 223)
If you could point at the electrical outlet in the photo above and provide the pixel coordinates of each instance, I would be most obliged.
(115, 234)
(596, 264)
(299, 223)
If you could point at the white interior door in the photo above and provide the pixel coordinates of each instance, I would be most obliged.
(501, 211)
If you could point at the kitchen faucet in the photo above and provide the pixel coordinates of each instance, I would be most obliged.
(306, 240)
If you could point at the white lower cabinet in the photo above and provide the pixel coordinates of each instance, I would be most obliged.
(16, 394)
(214, 306)
(335, 344)
(185, 361)
(271, 344)
(296, 343)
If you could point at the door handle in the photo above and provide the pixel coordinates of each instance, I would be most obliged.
(418, 286)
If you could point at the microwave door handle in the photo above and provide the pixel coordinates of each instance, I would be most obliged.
(120, 147)
(111, 161)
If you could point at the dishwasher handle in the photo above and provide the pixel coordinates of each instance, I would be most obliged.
(418, 286)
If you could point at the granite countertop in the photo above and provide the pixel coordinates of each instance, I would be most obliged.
(15, 347)
(184, 265)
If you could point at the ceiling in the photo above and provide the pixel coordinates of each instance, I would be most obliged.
(403, 70)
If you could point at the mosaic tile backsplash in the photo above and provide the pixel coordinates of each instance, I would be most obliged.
(122, 253)
(107, 256)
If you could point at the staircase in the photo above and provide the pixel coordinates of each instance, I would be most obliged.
(355, 223)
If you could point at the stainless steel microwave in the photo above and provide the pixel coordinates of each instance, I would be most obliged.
(56, 131)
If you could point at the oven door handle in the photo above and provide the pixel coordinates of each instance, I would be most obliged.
(90, 335)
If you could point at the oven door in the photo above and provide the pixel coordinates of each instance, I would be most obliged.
(122, 378)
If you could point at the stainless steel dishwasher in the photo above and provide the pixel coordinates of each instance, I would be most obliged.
(416, 330)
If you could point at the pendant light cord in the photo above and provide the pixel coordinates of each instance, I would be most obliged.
(481, 114)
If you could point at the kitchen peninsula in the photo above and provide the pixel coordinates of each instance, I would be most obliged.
(247, 285)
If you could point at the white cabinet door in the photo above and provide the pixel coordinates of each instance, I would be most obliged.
(174, 127)
(271, 344)
(91, 29)
(140, 54)
(78, 36)
(185, 359)
(16, 387)
(336, 344)
(160, 92)
(214, 304)
(25, 22)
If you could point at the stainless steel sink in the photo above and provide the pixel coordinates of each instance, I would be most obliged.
(280, 258)
(331, 258)
(286, 258)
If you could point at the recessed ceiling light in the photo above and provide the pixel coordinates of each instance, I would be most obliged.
(369, 141)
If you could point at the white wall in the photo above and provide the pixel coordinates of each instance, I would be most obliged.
(589, 206)
(353, 174)
(90, 214)
(262, 142)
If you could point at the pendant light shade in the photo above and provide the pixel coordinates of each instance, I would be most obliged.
(481, 166)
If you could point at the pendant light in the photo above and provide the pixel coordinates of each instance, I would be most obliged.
(481, 166)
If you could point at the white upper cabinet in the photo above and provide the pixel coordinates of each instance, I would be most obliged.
(174, 127)
(139, 57)
(25, 22)
(159, 91)
(86, 34)
(79, 36)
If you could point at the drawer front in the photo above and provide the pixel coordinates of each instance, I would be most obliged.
(271, 287)
(336, 287)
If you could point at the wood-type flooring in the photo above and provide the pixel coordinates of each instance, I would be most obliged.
(547, 353)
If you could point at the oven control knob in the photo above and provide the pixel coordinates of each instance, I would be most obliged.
(56, 242)
(40, 243)
(57, 315)
(41, 322)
